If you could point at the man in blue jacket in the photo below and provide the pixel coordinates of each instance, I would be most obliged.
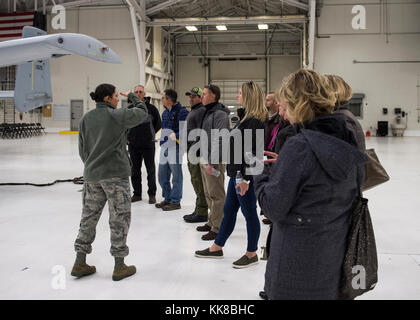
(170, 160)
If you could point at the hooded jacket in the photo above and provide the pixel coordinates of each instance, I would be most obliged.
(309, 195)
(353, 125)
(216, 117)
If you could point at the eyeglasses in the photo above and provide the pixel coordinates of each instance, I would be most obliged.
(250, 83)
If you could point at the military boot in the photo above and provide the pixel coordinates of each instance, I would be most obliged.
(80, 268)
(121, 270)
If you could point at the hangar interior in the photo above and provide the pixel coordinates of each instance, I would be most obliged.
(259, 40)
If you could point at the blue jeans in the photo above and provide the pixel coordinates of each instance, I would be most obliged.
(248, 205)
(172, 194)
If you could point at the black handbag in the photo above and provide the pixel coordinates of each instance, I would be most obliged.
(360, 266)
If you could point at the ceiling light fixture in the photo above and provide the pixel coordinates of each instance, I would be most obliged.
(263, 26)
(191, 28)
(221, 28)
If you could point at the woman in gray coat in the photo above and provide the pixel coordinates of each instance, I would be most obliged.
(343, 94)
(309, 194)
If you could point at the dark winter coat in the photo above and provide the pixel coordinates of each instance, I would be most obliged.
(353, 125)
(308, 195)
(194, 119)
(143, 136)
(285, 132)
(256, 127)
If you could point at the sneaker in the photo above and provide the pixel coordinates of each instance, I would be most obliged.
(195, 219)
(208, 254)
(171, 207)
(205, 228)
(266, 221)
(135, 198)
(245, 262)
(209, 236)
(160, 205)
(152, 199)
(82, 270)
(123, 272)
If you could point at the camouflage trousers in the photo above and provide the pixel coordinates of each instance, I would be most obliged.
(201, 207)
(95, 195)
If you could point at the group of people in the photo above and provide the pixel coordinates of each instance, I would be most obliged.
(305, 186)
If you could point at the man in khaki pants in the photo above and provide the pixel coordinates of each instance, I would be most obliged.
(216, 117)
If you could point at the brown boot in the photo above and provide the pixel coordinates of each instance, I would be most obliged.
(135, 198)
(123, 271)
(160, 205)
(82, 270)
(204, 228)
(266, 221)
(209, 236)
(172, 207)
(152, 199)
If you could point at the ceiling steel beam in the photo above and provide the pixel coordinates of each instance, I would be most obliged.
(161, 6)
(238, 56)
(138, 10)
(228, 20)
(76, 3)
(296, 4)
(235, 32)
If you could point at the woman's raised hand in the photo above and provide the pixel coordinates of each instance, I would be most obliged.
(125, 94)
(271, 154)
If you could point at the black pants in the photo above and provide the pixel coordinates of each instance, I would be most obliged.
(137, 156)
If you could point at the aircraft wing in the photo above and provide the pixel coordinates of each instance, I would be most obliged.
(43, 47)
(32, 54)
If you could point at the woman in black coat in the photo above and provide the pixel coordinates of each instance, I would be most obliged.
(240, 193)
(309, 194)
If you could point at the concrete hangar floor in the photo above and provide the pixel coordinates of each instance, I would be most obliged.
(38, 227)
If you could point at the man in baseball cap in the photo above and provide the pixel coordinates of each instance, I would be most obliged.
(194, 122)
(195, 92)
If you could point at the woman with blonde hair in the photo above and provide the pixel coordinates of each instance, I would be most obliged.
(309, 193)
(240, 193)
(343, 94)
